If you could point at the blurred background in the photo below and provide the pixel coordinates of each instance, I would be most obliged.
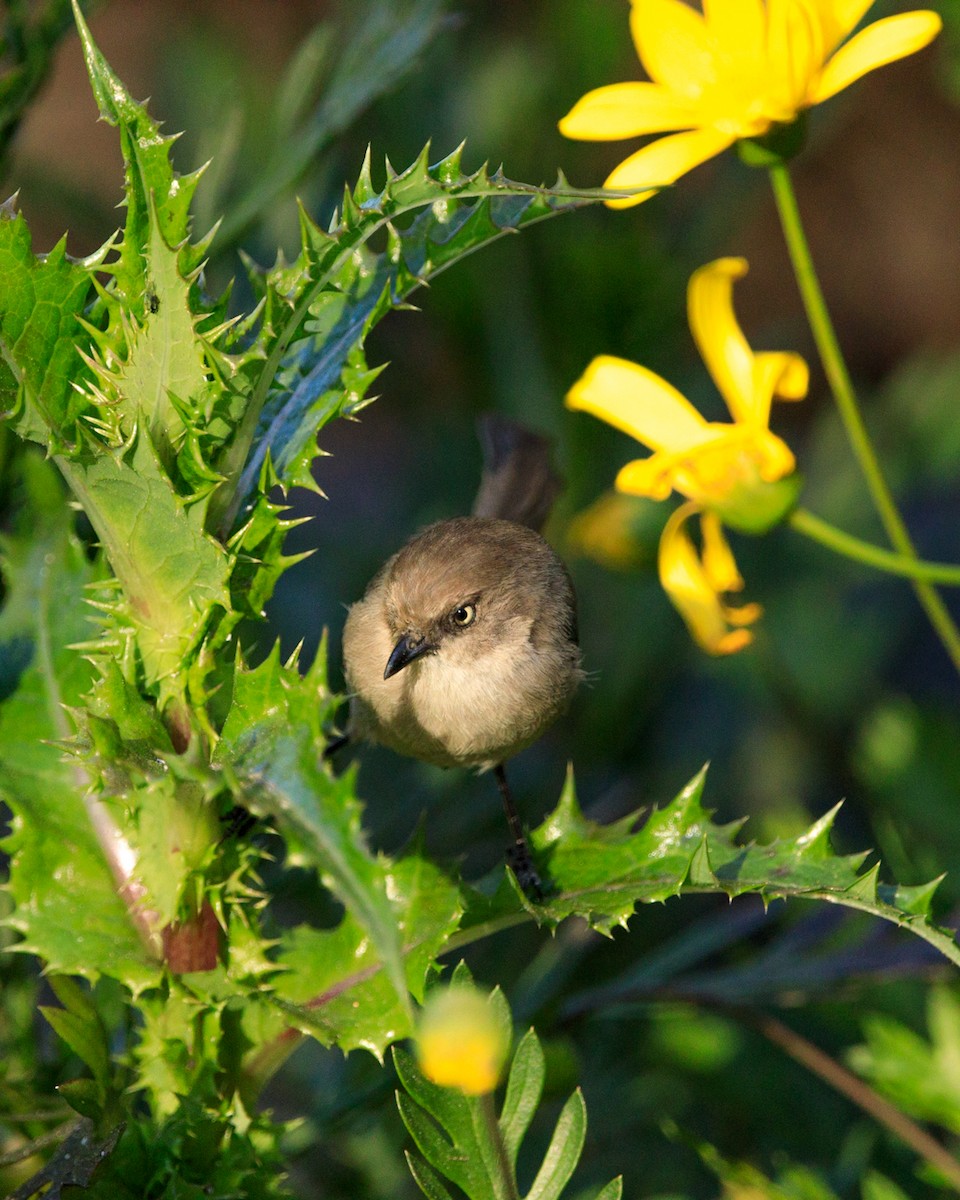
(846, 693)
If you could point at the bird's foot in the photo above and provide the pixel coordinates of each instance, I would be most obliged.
(520, 861)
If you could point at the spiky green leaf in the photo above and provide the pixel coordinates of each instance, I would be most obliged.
(602, 872)
(330, 983)
(320, 310)
(273, 743)
(67, 909)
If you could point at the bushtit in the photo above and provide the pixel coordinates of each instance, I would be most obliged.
(464, 648)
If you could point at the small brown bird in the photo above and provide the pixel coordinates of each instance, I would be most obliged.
(464, 647)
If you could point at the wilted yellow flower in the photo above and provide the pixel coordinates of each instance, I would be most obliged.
(738, 472)
(460, 1042)
(737, 70)
(696, 583)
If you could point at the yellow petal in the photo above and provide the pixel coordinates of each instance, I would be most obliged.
(779, 374)
(719, 338)
(748, 382)
(674, 45)
(719, 565)
(704, 472)
(838, 18)
(738, 30)
(633, 399)
(725, 468)
(624, 110)
(795, 53)
(686, 583)
(663, 162)
(880, 43)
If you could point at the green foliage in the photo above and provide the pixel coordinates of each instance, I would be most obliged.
(792, 1182)
(917, 1074)
(164, 769)
(463, 1139)
(329, 82)
(601, 872)
(271, 739)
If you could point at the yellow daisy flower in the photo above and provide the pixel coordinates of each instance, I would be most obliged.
(737, 70)
(459, 1041)
(738, 472)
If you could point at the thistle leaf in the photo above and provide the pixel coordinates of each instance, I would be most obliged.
(330, 983)
(66, 906)
(319, 310)
(272, 742)
(601, 873)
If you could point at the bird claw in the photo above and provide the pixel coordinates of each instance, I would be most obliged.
(520, 861)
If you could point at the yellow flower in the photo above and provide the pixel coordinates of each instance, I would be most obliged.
(738, 471)
(696, 583)
(460, 1043)
(737, 70)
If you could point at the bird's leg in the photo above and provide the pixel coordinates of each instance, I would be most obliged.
(519, 858)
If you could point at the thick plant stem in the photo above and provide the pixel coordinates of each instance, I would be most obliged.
(855, 548)
(842, 387)
(505, 1185)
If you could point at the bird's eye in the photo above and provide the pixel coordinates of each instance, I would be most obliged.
(464, 615)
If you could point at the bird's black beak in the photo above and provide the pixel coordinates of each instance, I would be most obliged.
(404, 652)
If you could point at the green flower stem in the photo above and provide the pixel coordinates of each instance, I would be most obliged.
(848, 546)
(505, 1186)
(840, 384)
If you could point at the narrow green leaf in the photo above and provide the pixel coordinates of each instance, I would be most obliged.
(524, 1089)
(426, 1179)
(879, 1187)
(448, 1106)
(432, 1143)
(564, 1150)
(462, 974)
(611, 1191)
(456, 1137)
(382, 43)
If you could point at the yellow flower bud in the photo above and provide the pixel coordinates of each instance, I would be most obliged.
(460, 1043)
